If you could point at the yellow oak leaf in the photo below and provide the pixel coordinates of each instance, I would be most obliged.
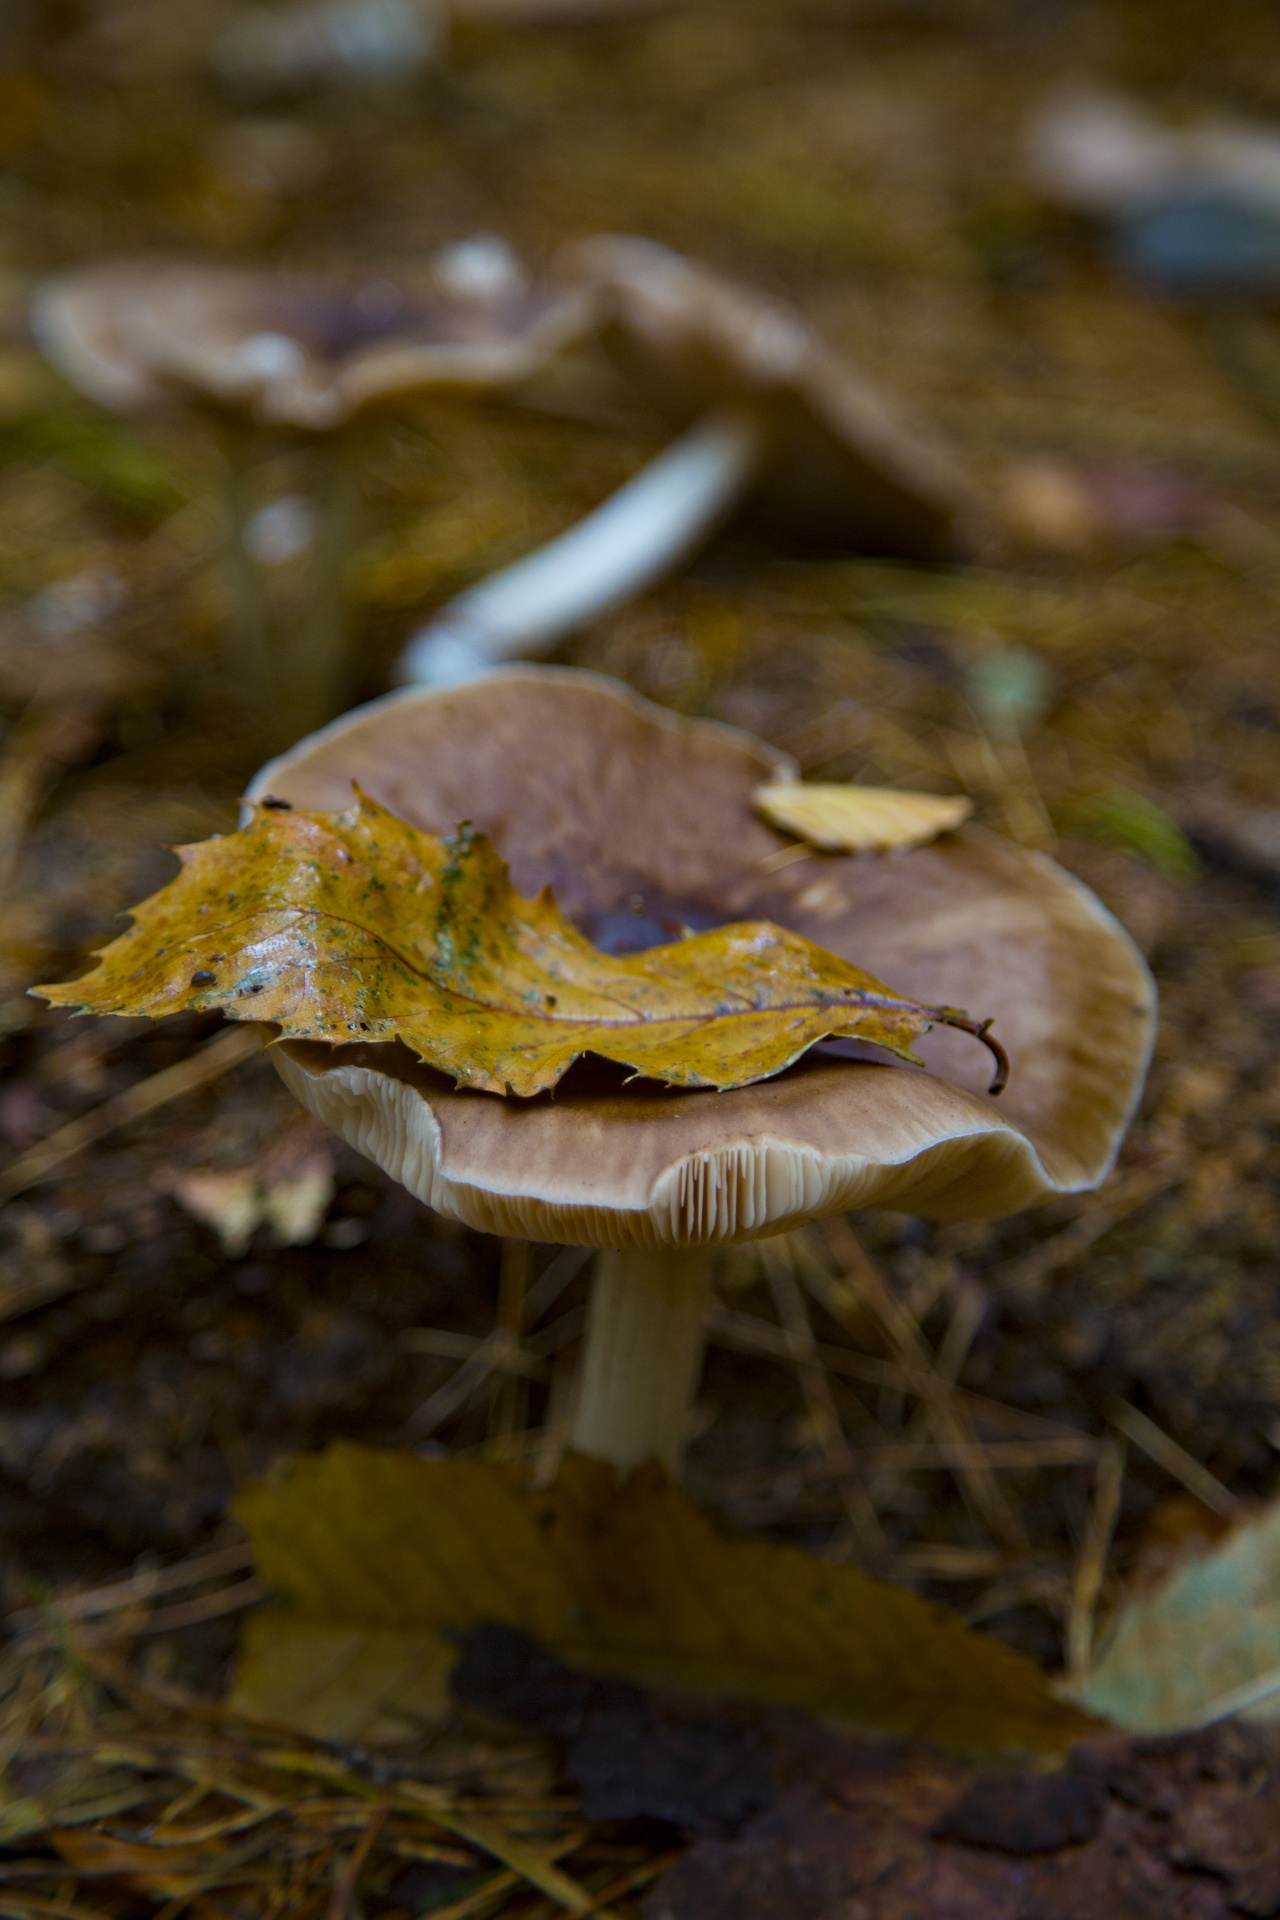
(355, 926)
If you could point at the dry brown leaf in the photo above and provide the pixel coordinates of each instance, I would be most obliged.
(846, 819)
(357, 927)
(382, 1555)
(224, 1199)
(288, 1188)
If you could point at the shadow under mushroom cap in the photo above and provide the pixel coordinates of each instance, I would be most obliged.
(639, 819)
(843, 466)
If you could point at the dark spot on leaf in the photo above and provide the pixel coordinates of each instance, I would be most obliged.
(507, 1673)
(203, 978)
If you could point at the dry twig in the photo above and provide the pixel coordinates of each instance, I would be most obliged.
(495, 1351)
(861, 1282)
(164, 1803)
(138, 1590)
(228, 1049)
(747, 1333)
(509, 1408)
(1102, 1211)
(824, 1416)
(1175, 1460)
(344, 1892)
(1092, 1563)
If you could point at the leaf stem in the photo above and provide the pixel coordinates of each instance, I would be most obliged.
(981, 1030)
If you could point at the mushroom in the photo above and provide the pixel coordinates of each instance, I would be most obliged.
(770, 417)
(645, 823)
(309, 358)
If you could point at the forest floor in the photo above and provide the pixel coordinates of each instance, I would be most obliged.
(1109, 693)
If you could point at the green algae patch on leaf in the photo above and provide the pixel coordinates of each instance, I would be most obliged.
(355, 926)
(380, 1556)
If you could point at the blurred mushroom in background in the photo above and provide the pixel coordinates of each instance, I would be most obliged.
(1191, 210)
(271, 357)
(770, 420)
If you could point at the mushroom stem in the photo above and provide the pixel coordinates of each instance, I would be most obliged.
(315, 670)
(642, 1359)
(636, 536)
(248, 643)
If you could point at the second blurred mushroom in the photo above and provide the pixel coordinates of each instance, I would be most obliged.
(770, 419)
(271, 356)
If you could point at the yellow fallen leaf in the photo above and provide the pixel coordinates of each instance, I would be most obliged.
(845, 819)
(355, 926)
(381, 1555)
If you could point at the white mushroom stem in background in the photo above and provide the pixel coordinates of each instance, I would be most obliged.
(638, 534)
(646, 1328)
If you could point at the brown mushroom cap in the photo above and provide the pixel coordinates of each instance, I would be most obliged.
(842, 464)
(642, 821)
(293, 350)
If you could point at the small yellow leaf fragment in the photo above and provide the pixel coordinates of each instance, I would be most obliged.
(846, 819)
